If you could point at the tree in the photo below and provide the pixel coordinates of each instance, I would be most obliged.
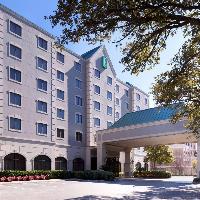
(158, 154)
(145, 26)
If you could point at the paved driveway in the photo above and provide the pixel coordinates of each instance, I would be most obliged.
(176, 188)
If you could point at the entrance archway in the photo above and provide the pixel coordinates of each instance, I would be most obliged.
(42, 162)
(78, 164)
(14, 161)
(60, 163)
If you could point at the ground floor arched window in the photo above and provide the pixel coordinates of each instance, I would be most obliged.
(78, 164)
(14, 161)
(42, 162)
(60, 163)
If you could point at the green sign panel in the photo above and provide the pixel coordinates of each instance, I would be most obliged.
(104, 62)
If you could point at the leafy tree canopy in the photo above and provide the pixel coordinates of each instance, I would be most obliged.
(145, 25)
(159, 154)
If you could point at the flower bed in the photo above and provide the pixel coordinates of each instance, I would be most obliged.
(8, 176)
(151, 174)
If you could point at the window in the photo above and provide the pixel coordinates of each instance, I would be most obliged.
(60, 113)
(15, 123)
(60, 94)
(117, 101)
(97, 106)
(127, 106)
(97, 73)
(60, 57)
(137, 96)
(109, 110)
(14, 75)
(77, 66)
(78, 83)
(109, 95)
(60, 133)
(60, 75)
(146, 101)
(42, 43)
(78, 101)
(79, 137)
(41, 85)
(42, 129)
(78, 118)
(96, 89)
(15, 29)
(15, 99)
(97, 122)
(109, 124)
(126, 92)
(117, 88)
(138, 108)
(41, 64)
(15, 52)
(117, 115)
(42, 106)
(109, 80)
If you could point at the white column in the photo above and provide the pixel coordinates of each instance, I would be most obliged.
(198, 158)
(101, 155)
(127, 163)
(88, 159)
(29, 164)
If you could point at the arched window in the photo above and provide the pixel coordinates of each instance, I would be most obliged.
(60, 163)
(42, 162)
(14, 161)
(78, 164)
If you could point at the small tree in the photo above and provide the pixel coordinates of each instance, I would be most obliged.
(159, 154)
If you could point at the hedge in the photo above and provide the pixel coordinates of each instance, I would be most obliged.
(151, 174)
(196, 181)
(57, 174)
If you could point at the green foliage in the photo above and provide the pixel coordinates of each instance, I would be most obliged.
(159, 154)
(152, 174)
(145, 26)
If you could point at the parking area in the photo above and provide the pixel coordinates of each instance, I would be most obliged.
(176, 188)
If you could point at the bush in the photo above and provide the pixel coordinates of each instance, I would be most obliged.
(196, 181)
(152, 174)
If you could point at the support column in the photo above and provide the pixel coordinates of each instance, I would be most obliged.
(101, 155)
(88, 159)
(198, 158)
(127, 163)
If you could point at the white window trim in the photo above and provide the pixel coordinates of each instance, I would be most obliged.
(116, 89)
(75, 118)
(76, 78)
(96, 76)
(39, 111)
(59, 138)
(9, 67)
(110, 84)
(37, 66)
(80, 65)
(60, 79)
(116, 101)
(37, 37)
(41, 134)
(82, 136)
(14, 105)
(11, 56)
(59, 60)
(95, 91)
(75, 100)
(109, 113)
(19, 24)
(94, 122)
(62, 119)
(63, 100)
(45, 91)
(95, 108)
(107, 95)
(14, 130)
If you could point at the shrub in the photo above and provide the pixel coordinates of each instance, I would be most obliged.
(151, 174)
(196, 181)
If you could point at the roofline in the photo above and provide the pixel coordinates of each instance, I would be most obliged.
(140, 90)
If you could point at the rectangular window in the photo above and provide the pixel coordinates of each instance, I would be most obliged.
(127, 106)
(146, 101)
(15, 29)
(109, 124)
(42, 106)
(60, 113)
(42, 129)
(15, 52)
(97, 89)
(117, 115)
(126, 92)
(60, 76)
(97, 106)
(78, 67)
(109, 95)
(14, 75)
(78, 83)
(117, 88)
(60, 133)
(137, 96)
(60, 94)
(109, 80)
(60, 57)
(109, 110)
(15, 123)
(117, 101)
(97, 122)
(41, 64)
(15, 99)
(78, 101)
(79, 137)
(78, 118)
(42, 43)
(97, 73)
(41, 85)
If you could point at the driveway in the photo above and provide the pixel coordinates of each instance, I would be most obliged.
(176, 188)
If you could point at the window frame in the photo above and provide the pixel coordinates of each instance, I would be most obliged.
(42, 134)
(9, 30)
(39, 37)
(98, 104)
(14, 105)
(9, 123)
(9, 51)
(95, 90)
(39, 89)
(79, 64)
(57, 133)
(77, 79)
(117, 86)
(108, 92)
(109, 108)
(80, 114)
(81, 134)
(76, 96)
(41, 111)
(63, 113)
(59, 53)
(60, 73)
(57, 94)
(37, 64)
(109, 78)
(9, 73)
(95, 123)
(98, 77)
(138, 97)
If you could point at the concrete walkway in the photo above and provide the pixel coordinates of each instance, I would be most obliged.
(176, 188)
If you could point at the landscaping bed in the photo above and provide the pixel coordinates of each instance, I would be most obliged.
(8, 176)
(151, 174)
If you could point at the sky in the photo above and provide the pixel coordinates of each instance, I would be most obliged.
(35, 10)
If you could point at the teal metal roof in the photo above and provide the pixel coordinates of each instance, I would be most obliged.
(90, 53)
(144, 116)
